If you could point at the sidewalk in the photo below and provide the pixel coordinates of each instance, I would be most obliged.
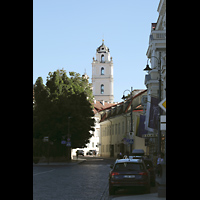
(72, 162)
(152, 196)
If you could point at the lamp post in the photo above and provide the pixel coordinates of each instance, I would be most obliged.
(161, 180)
(69, 140)
(159, 97)
(131, 130)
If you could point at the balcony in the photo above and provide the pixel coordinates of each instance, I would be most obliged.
(159, 35)
(157, 40)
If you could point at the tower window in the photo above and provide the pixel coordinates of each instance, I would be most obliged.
(102, 59)
(102, 88)
(102, 71)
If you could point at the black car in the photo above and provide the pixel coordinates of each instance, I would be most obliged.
(129, 173)
(91, 152)
(80, 152)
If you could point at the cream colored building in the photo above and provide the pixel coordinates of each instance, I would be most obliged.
(115, 127)
(94, 140)
(156, 53)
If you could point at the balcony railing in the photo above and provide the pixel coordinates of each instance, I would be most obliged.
(157, 35)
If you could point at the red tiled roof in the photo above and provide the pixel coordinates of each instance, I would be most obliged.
(134, 98)
(99, 106)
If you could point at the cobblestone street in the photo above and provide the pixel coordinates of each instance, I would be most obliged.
(83, 181)
(87, 180)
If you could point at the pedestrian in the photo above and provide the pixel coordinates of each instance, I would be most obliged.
(120, 155)
(159, 167)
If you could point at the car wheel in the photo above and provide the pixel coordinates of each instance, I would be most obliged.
(111, 190)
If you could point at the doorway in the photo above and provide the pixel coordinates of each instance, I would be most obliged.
(111, 150)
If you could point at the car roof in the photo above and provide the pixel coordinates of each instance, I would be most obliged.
(140, 151)
(129, 160)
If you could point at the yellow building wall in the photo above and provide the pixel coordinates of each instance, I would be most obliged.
(140, 143)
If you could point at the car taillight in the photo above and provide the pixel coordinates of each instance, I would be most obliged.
(143, 173)
(114, 173)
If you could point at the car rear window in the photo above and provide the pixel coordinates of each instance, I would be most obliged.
(129, 166)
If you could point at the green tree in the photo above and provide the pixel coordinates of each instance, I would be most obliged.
(63, 107)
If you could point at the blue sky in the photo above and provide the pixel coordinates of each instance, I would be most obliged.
(66, 34)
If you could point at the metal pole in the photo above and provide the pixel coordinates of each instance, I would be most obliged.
(68, 137)
(131, 119)
(162, 181)
(159, 100)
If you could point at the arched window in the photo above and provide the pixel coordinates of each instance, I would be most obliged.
(102, 88)
(102, 71)
(102, 59)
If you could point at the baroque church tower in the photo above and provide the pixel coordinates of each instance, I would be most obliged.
(102, 75)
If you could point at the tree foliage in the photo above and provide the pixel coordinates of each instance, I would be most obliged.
(63, 107)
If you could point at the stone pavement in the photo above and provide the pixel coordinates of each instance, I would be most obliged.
(72, 162)
(87, 180)
(152, 196)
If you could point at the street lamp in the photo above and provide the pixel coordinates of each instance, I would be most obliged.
(147, 66)
(131, 131)
(162, 180)
(69, 140)
(159, 96)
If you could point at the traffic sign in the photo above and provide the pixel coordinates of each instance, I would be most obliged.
(63, 142)
(162, 104)
(68, 144)
(130, 141)
(162, 122)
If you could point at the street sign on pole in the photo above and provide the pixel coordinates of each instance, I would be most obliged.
(68, 144)
(163, 122)
(162, 104)
(63, 142)
(130, 141)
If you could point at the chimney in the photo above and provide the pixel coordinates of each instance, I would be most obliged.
(102, 102)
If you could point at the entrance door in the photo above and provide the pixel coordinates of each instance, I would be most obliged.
(111, 150)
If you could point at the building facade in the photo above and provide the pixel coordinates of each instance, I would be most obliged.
(95, 139)
(156, 53)
(102, 86)
(115, 126)
(102, 74)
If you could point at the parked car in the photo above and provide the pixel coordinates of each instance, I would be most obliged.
(139, 153)
(136, 153)
(91, 152)
(80, 152)
(128, 173)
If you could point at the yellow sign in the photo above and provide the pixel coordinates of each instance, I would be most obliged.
(162, 104)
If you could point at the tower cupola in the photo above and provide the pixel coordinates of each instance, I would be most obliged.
(102, 74)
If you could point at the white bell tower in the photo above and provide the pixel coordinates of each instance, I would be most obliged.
(102, 74)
